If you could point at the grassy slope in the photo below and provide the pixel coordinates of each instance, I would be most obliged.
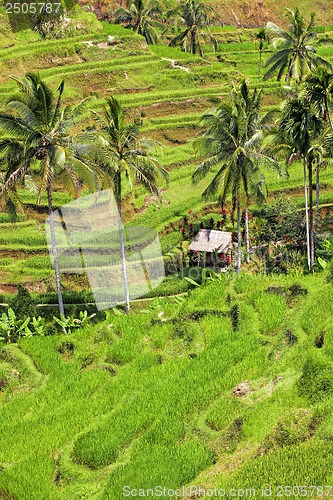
(147, 400)
(170, 102)
(141, 401)
(257, 13)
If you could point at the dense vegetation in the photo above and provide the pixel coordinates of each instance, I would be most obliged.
(165, 115)
(220, 381)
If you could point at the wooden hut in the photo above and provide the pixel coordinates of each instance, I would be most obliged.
(211, 248)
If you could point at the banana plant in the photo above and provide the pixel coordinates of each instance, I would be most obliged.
(11, 328)
(204, 278)
(326, 253)
(36, 327)
(68, 323)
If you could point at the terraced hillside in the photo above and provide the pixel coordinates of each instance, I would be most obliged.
(226, 385)
(257, 13)
(167, 91)
(229, 388)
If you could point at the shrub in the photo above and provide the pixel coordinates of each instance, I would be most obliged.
(23, 304)
(279, 220)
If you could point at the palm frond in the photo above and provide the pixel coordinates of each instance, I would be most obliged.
(14, 177)
(14, 126)
(277, 32)
(78, 168)
(57, 109)
(218, 183)
(23, 112)
(179, 38)
(202, 170)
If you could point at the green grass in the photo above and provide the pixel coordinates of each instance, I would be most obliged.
(25, 233)
(146, 400)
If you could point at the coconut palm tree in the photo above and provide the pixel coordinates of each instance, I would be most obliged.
(36, 138)
(319, 90)
(230, 140)
(195, 16)
(127, 154)
(142, 17)
(299, 127)
(320, 156)
(295, 52)
(261, 37)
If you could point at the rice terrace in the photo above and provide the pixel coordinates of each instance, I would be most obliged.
(166, 249)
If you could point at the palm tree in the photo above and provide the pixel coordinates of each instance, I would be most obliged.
(127, 155)
(261, 37)
(195, 16)
(298, 128)
(231, 138)
(141, 16)
(320, 156)
(319, 90)
(35, 134)
(295, 52)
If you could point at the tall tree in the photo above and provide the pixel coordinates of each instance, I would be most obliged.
(295, 53)
(231, 142)
(142, 17)
(319, 90)
(261, 37)
(127, 154)
(38, 130)
(320, 156)
(195, 18)
(298, 129)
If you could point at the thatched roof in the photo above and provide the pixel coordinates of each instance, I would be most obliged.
(208, 240)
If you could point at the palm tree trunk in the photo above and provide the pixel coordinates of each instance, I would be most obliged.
(193, 42)
(121, 240)
(311, 215)
(306, 216)
(239, 236)
(247, 236)
(54, 251)
(317, 202)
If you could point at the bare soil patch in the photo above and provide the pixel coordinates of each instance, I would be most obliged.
(172, 136)
(8, 289)
(167, 108)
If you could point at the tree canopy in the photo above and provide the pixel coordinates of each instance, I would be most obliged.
(295, 53)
